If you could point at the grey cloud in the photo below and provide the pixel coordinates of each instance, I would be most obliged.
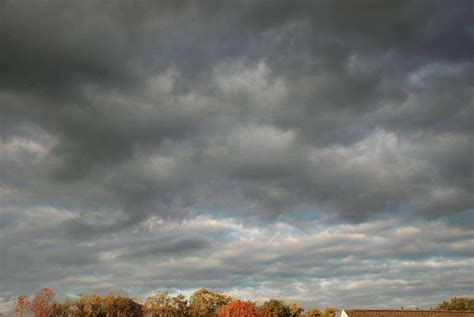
(301, 113)
(380, 258)
(177, 245)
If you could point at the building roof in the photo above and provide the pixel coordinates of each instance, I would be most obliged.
(406, 313)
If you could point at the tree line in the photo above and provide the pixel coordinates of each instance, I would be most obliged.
(202, 303)
(458, 303)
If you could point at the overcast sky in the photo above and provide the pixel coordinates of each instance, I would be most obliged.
(314, 151)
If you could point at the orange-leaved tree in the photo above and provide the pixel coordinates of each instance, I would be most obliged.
(330, 311)
(21, 306)
(41, 304)
(237, 309)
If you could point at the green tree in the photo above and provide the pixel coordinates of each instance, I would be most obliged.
(458, 303)
(180, 306)
(205, 303)
(317, 312)
(295, 310)
(314, 312)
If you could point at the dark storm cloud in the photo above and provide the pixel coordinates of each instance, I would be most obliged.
(122, 116)
(187, 244)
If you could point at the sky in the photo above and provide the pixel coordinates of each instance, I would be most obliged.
(314, 151)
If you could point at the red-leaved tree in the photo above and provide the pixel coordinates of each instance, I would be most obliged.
(237, 309)
(42, 303)
(21, 306)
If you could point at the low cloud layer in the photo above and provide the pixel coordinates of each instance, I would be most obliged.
(319, 152)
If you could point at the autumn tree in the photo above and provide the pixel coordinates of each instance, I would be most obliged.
(180, 306)
(237, 309)
(159, 305)
(295, 310)
(59, 309)
(119, 306)
(330, 311)
(22, 306)
(92, 305)
(275, 308)
(127, 307)
(75, 308)
(109, 305)
(206, 303)
(42, 303)
(458, 303)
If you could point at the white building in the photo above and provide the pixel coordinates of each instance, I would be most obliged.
(340, 313)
